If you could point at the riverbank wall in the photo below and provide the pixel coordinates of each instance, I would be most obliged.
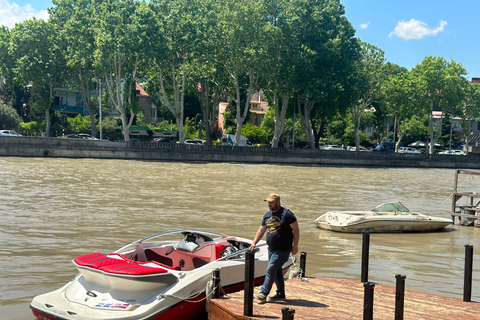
(101, 149)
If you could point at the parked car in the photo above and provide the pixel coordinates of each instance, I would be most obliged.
(333, 147)
(454, 152)
(80, 136)
(408, 150)
(163, 140)
(190, 141)
(355, 149)
(10, 133)
(386, 147)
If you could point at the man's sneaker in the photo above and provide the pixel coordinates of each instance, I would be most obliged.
(261, 297)
(278, 297)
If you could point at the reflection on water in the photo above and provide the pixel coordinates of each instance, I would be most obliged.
(55, 209)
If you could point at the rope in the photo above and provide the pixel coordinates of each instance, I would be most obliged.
(451, 194)
(207, 294)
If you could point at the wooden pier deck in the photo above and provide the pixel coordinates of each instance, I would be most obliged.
(331, 298)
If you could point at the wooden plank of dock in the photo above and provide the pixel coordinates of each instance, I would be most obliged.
(332, 298)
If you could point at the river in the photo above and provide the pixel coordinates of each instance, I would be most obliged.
(53, 210)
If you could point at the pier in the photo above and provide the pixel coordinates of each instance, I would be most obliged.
(339, 299)
(467, 214)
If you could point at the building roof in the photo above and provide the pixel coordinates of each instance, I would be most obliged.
(140, 92)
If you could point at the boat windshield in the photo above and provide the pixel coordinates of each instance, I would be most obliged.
(390, 206)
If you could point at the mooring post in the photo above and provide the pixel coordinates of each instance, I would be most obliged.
(467, 281)
(249, 277)
(365, 254)
(399, 297)
(368, 300)
(288, 314)
(303, 263)
(216, 283)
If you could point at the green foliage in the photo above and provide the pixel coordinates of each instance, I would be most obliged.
(109, 127)
(9, 118)
(79, 124)
(336, 129)
(229, 119)
(31, 128)
(167, 126)
(416, 129)
(255, 134)
(268, 123)
(189, 128)
(349, 139)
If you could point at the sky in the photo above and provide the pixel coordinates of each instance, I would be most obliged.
(407, 30)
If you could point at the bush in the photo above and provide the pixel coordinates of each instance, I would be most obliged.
(9, 117)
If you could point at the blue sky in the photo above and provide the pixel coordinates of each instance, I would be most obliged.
(407, 30)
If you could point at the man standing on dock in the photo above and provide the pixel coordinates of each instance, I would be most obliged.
(283, 235)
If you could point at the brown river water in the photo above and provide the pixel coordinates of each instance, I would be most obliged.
(53, 210)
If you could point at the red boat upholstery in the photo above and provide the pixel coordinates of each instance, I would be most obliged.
(121, 266)
(96, 260)
(133, 268)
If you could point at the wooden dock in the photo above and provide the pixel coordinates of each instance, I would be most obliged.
(331, 298)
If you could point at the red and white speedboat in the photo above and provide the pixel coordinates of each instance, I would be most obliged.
(153, 278)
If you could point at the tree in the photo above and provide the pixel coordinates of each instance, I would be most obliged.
(76, 20)
(173, 30)
(367, 84)
(398, 93)
(280, 62)
(118, 53)
(241, 58)
(328, 51)
(441, 85)
(9, 118)
(209, 78)
(469, 110)
(38, 60)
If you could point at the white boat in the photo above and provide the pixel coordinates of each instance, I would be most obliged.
(386, 217)
(153, 279)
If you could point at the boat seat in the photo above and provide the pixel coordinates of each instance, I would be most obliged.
(96, 260)
(153, 256)
(115, 263)
(134, 268)
(198, 262)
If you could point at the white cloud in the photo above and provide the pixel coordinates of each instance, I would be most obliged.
(364, 25)
(11, 13)
(415, 29)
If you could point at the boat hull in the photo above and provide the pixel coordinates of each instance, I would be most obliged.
(372, 221)
(385, 226)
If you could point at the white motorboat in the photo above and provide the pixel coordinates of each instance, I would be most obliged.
(386, 217)
(152, 278)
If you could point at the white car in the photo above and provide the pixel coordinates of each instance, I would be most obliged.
(333, 147)
(454, 152)
(10, 133)
(355, 149)
(408, 150)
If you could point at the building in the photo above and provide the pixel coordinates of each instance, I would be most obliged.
(258, 108)
(69, 101)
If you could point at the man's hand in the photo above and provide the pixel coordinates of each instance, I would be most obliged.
(295, 250)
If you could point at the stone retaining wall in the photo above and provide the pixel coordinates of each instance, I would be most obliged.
(76, 148)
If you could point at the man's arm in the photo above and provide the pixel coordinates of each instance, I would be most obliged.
(261, 231)
(296, 237)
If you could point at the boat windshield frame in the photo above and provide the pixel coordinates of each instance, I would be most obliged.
(390, 206)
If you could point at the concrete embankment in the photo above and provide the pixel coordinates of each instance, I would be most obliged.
(75, 148)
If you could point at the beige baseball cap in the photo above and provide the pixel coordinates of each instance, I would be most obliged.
(272, 197)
